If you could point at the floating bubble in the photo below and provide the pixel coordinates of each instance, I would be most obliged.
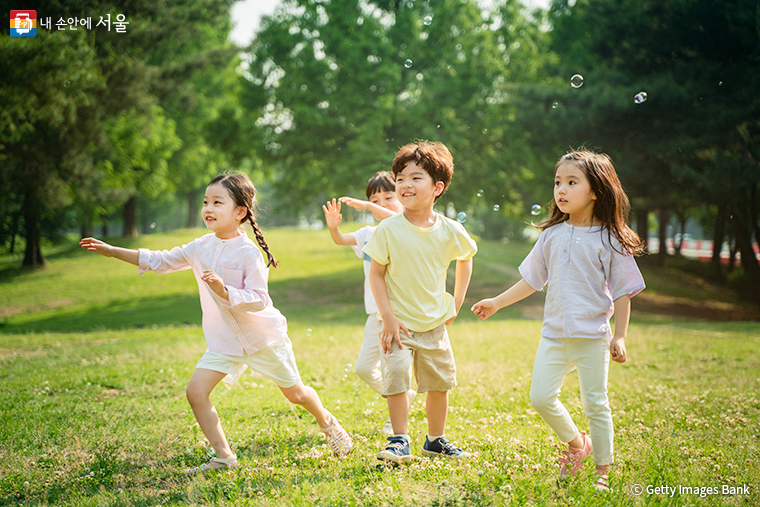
(66, 84)
(308, 332)
(640, 97)
(496, 207)
(153, 225)
(480, 193)
(576, 81)
(555, 105)
(427, 20)
(408, 63)
(461, 217)
(535, 210)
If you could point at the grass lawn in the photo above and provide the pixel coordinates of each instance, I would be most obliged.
(94, 361)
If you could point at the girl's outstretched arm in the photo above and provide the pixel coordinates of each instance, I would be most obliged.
(124, 254)
(487, 307)
(622, 309)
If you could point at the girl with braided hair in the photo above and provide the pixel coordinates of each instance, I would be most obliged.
(241, 325)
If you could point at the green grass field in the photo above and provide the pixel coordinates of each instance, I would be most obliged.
(94, 360)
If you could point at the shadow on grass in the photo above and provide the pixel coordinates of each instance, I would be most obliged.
(115, 315)
(320, 300)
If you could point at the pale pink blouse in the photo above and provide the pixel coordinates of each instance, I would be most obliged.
(248, 322)
(585, 275)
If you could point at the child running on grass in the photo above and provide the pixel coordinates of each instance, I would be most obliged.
(383, 203)
(585, 254)
(410, 253)
(242, 327)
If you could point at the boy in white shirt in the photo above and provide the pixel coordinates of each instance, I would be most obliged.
(411, 252)
(383, 203)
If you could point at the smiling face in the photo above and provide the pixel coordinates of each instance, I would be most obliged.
(573, 194)
(416, 189)
(388, 200)
(220, 214)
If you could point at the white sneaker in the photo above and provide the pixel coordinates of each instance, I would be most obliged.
(387, 428)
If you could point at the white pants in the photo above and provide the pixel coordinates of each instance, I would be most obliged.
(555, 359)
(369, 364)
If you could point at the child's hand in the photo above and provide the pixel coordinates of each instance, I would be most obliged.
(485, 308)
(215, 283)
(391, 329)
(354, 203)
(617, 349)
(332, 214)
(95, 245)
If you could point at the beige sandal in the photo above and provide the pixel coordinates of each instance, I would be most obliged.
(214, 464)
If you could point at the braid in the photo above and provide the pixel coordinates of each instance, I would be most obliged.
(261, 242)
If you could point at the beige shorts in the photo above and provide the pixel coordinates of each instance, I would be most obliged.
(428, 354)
(276, 362)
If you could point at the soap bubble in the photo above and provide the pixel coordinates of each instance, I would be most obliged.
(461, 217)
(408, 64)
(66, 84)
(576, 81)
(555, 105)
(427, 20)
(480, 193)
(308, 332)
(640, 97)
(535, 210)
(496, 207)
(153, 225)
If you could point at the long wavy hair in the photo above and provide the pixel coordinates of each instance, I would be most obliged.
(611, 206)
(242, 191)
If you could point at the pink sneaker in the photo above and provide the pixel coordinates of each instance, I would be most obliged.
(337, 438)
(571, 462)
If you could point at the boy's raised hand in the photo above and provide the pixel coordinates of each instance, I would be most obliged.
(354, 203)
(485, 308)
(95, 245)
(332, 214)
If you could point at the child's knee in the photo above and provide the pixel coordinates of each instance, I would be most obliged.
(364, 372)
(297, 394)
(195, 395)
(541, 400)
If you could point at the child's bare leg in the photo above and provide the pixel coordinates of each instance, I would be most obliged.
(398, 408)
(437, 408)
(198, 390)
(308, 398)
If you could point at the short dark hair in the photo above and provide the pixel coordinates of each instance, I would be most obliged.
(433, 157)
(381, 181)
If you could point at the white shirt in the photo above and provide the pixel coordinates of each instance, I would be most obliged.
(585, 275)
(248, 322)
(362, 237)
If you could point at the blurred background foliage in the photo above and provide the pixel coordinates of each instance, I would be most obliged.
(117, 133)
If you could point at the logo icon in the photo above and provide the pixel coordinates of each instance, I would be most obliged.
(23, 23)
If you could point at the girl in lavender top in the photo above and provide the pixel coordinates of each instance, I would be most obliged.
(586, 256)
(242, 327)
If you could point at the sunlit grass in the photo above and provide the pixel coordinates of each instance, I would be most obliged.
(96, 415)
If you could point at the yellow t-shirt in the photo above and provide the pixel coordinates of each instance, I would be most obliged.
(417, 260)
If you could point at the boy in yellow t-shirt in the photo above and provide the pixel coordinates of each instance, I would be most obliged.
(410, 254)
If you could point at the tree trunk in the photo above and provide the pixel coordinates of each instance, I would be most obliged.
(104, 222)
(192, 209)
(663, 233)
(749, 261)
(130, 217)
(33, 253)
(679, 244)
(86, 229)
(719, 233)
(731, 255)
(642, 225)
(14, 230)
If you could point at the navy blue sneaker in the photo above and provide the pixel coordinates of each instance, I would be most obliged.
(397, 451)
(442, 447)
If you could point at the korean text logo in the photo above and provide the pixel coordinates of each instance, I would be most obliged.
(23, 23)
